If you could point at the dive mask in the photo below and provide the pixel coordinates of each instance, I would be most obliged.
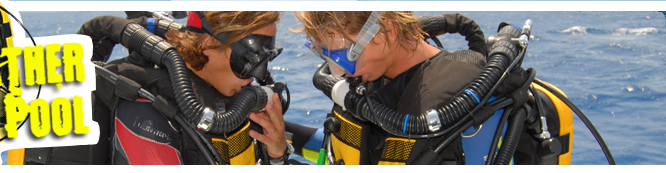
(336, 59)
(249, 56)
(341, 54)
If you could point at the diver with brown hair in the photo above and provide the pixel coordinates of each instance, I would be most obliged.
(183, 95)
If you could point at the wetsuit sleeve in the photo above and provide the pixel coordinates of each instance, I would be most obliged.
(105, 33)
(306, 140)
(457, 23)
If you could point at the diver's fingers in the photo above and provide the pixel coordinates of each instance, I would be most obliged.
(276, 103)
(260, 137)
(274, 147)
(265, 124)
(275, 113)
(264, 121)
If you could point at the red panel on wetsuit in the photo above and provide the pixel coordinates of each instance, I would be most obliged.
(142, 151)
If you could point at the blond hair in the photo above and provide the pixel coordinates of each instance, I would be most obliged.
(318, 25)
(238, 24)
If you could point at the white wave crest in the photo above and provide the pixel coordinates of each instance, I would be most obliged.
(576, 30)
(636, 31)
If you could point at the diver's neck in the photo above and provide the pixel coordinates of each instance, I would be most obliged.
(405, 59)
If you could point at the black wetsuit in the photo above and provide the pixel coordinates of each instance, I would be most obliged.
(158, 83)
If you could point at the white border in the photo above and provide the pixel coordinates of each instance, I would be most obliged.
(337, 5)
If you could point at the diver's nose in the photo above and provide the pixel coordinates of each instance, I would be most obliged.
(260, 71)
(248, 81)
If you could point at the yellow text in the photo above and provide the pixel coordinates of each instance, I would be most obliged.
(61, 116)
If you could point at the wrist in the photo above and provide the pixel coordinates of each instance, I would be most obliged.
(282, 160)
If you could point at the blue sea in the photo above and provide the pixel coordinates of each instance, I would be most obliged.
(612, 65)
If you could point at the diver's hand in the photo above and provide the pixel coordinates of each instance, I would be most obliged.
(272, 123)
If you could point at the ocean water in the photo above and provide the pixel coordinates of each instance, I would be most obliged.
(612, 65)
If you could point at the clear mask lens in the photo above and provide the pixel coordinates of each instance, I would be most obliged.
(335, 68)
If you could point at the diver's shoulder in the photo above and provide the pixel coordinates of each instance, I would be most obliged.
(469, 57)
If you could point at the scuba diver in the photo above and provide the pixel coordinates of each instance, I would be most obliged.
(399, 100)
(184, 93)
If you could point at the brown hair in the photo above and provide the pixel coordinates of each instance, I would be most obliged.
(319, 25)
(238, 24)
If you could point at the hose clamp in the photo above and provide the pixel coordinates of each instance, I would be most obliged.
(206, 120)
(433, 121)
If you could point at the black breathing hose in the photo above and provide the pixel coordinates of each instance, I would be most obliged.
(507, 113)
(238, 111)
(323, 80)
(212, 157)
(512, 137)
(455, 114)
(224, 122)
(158, 51)
(502, 53)
(161, 53)
(455, 23)
(498, 132)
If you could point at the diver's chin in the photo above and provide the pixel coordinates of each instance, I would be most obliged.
(233, 92)
(364, 77)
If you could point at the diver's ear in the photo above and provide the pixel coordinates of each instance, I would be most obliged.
(391, 31)
(206, 42)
